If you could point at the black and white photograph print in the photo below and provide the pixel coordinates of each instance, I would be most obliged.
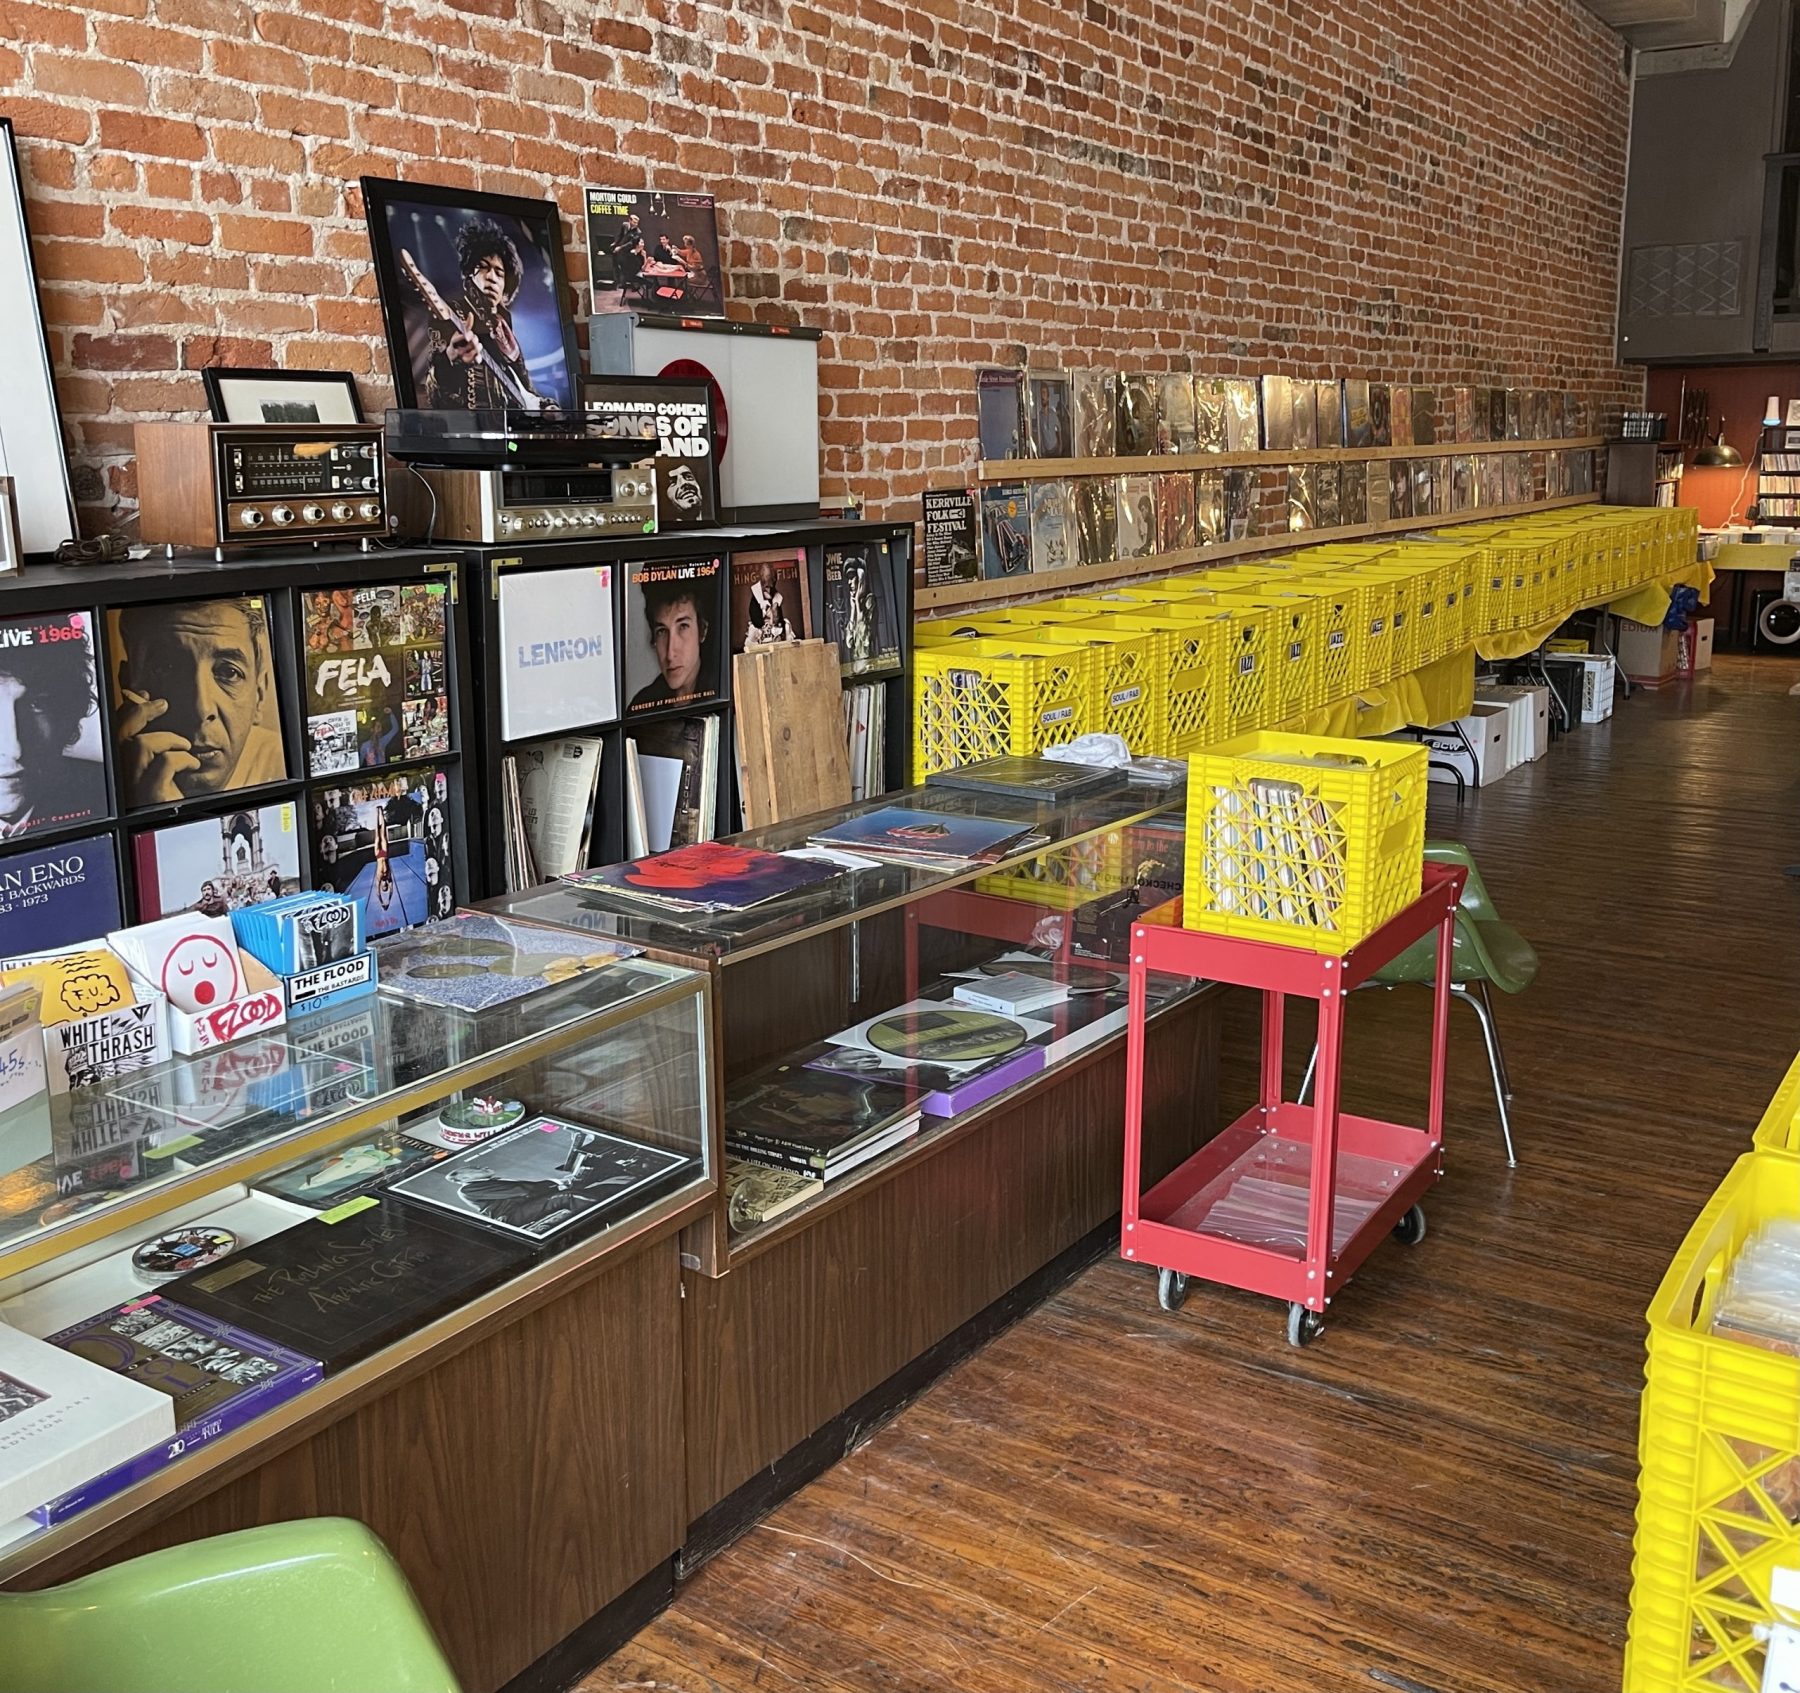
(542, 1178)
(17, 1397)
(51, 768)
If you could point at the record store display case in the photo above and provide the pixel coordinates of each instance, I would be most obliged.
(414, 1301)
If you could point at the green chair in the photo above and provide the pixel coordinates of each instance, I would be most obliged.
(316, 1606)
(1486, 953)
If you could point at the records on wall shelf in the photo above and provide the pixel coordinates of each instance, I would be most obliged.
(1329, 404)
(195, 710)
(1462, 413)
(1400, 419)
(1377, 493)
(657, 251)
(52, 764)
(59, 896)
(674, 635)
(1243, 420)
(1175, 511)
(557, 666)
(1176, 425)
(1209, 507)
(1005, 531)
(1463, 490)
(1049, 419)
(672, 783)
(1302, 498)
(865, 733)
(1515, 415)
(1052, 526)
(1304, 396)
(1424, 417)
(377, 679)
(1424, 487)
(384, 840)
(1381, 418)
(1353, 493)
(1136, 509)
(558, 786)
(769, 598)
(1211, 404)
(1278, 414)
(217, 865)
(1096, 520)
(1094, 399)
(1136, 431)
(1327, 484)
(1399, 488)
(952, 537)
(1358, 432)
(1000, 413)
(1239, 493)
(861, 618)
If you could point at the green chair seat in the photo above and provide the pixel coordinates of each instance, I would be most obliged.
(316, 1606)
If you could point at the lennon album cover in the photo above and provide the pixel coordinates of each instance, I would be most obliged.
(861, 619)
(52, 764)
(472, 961)
(674, 639)
(1048, 419)
(377, 680)
(194, 706)
(217, 865)
(655, 252)
(473, 297)
(1005, 530)
(1096, 520)
(1052, 526)
(385, 842)
(768, 598)
(1175, 424)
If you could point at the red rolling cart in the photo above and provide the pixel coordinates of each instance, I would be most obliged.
(1291, 1198)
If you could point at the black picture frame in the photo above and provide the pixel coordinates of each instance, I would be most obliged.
(216, 377)
(405, 314)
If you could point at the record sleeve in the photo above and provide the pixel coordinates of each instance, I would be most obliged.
(1175, 420)
(1049, 423)
(52, 897)
(340, 1291)
(1094, 395)
(1209, 507)
(1425, 489)
(759, 1193)
(1175, 511)
(1005, 531)
(1358, 430)
(687, 798)
(901, 832)
(1302, 498)
(1353, 493)
(1211, 402)
(1399, 488)
(473, 961)
(812, 1116)
(1304, 396)
(1559, 416)
(377, 676)
(558, 667)
(1493, 478)
(52, 765)
(952, 540)
(1136, 435)
(768, 598)
(358, 1167)
(384, 841)
(712, 876)
(1243, 416)
(860, 615)
(1381, 420)
(1137, 516)
(1538, 414)
(1052, 526)
(1377, 495)
(1096, 520)
(1515, 414)
(1327, 486)
(1047, 779)
(1496, 414)
(1424, 417)
(1329, 403)
(1463, 492)
(195, 710)
(1000, 413)
(1481, 423)
(1462, 413)
(218, 865)
(654, 251)
(1400, 420)
(674, 635)
(1278, 414)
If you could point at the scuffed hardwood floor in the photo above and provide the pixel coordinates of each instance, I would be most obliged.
(1436, 1497)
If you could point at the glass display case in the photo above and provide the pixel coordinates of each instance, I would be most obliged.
(247, 1235)
(886, 1006)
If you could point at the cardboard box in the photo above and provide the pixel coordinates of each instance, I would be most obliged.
(1696, 646)
(1528, 731)
(1647, 655)
(108, 1043)
(1476, 746)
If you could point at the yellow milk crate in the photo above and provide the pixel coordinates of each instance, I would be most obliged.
(1779, 1130)
(1245, 660)
(1293, 660)
(1064, 877)
(1131, 679)
(935, 631)
(1718, 1458)
(1342, 651)
(1403, 639)
(1197, 699)
(1302, 839)
(986, 698)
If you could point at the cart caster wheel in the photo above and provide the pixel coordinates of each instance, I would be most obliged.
(1410, 1230)
(1171, 1289)
(1304, 1325)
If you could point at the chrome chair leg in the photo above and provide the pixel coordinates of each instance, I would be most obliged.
(1486, 993)
(1491, 1035)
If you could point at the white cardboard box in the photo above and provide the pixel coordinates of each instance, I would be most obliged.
(1529, 730)
(1479, 751)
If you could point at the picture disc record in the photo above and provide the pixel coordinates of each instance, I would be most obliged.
(176, 1251)
(1077, 978)
(950, 1036)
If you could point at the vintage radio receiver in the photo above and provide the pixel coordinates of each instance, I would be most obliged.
(229, 484)
(500, 503)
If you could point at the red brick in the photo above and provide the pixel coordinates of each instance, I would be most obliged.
(241, 234)
(44, 26)
(124, 352)
(240, 352)
(254, 150)
(86, 261)
(306, 36)
(144, 44)
(622, 37)
(333, 354)
(161, 223)
(135, 132)
(257, 63)
(387, 53)
(67, 217)
(300, 114)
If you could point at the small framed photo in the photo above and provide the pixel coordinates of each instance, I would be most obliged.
(281, 396)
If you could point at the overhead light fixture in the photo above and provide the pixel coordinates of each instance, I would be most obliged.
(1718, 453)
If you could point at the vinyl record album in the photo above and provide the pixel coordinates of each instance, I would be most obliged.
(1052, 526)
(1077, 978)
(948, 1036)
(176, 1251)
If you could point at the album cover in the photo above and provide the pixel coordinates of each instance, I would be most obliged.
(810, 1117)
(940, 1035)
(1278, 414)
(1211, 404)
(861, 619)
(1399, 488)
(1052, 526)
(1516, 479)
(1327, 496)
(1302, 497)
(1463, 492)
(548, 1181)
(218, 865)
(758, 1193)
(1210, 526)
(340, 1291)
(1555, 475)
(1377, 494)
(473, 299)
(1481, 420)
(194, 706)
(363, 1166)
(1496, 414)
(1096, 520)
(1575, 414)
(1000, 413)
(1329, 403)
(52, 765)
(952, 538)
(768, 598)
(711, 876)
(1050, 426)
(672, 782)
(900, 832)
(1239, 495)
(1462, 412)
(1175, 419)
(1559, 415)
(1425, 488)
(1353, 493)
(1136, 434)
(472, 961)
(1424, 417)
(1400, 419)
(671, 419)
(1175, 511)
(1381, 420)
(1515, 415)
(673, 639)
(654, 252)
(1306, 413)
(1005, 531)
(1094, 397)
(1493, 478)
(1048, 779)
(1358, 431)
(558, 670)
(59, 896)
(385, 842)
(1136, 516)
(1537, 415)
(1243, 419)
(377, 678)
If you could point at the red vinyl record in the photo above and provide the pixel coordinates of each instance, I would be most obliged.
(693, 370)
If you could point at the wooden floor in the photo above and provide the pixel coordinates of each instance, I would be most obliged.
(1437, 1495)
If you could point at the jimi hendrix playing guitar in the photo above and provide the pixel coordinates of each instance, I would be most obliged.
(476, 360)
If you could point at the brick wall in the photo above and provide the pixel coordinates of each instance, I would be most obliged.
(1394, 188)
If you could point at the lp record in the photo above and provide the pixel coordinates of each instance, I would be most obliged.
(950, 1036)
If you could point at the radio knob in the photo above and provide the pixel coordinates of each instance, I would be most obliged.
(507, 522)
(559, 522)
(341, 513)
(371, 482)
(371, 510)
(251, 517)
(368, 451)
(283, 514)
(313, 514)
